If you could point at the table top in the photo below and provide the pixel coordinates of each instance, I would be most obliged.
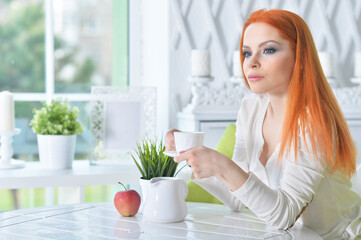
(102, 221)
(82, 174)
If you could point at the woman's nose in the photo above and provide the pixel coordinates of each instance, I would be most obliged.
(254, 62)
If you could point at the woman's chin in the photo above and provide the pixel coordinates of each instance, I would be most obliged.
(258, 90)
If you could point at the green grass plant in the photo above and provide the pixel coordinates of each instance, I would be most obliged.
(152, 162)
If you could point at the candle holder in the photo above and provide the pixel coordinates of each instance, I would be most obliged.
(356, 80)
(200, 81)
(236, 80)
(200, 91)
(6, 150)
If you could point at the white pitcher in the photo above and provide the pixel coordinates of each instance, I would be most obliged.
(165, 201)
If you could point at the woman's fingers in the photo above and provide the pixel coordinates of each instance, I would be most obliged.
(169, 140)
(205, 162)
(183, 156)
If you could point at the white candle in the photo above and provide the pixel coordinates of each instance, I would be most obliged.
(237, 72)
(326, 63)
(357, 71)
(6, 111)
(200, 63)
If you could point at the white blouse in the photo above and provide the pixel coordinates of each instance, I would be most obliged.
(278, 191)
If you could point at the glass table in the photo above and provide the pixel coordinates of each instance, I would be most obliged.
(102, 221)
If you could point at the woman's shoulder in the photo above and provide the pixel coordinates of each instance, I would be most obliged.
(307, 156)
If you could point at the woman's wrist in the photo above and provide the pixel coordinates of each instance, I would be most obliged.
(232, 175)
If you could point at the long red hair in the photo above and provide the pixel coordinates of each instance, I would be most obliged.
(312, 105)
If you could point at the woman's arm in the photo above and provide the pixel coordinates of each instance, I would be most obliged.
(221, 191)
(281, 207)
(217, 187)
(206, 162)
(206, 165)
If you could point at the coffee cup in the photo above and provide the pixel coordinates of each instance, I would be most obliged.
(186, 140)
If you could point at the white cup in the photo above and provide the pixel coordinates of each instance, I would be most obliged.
(186, 140)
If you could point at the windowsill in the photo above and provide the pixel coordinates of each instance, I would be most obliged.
(82, 174)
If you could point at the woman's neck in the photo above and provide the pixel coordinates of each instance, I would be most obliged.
(277, 107)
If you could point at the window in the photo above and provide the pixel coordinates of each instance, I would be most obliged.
(60, 48)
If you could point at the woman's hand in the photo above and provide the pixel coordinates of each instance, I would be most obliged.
(169, 140)
(205, 162)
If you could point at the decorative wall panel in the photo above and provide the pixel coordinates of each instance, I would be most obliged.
(216, 25)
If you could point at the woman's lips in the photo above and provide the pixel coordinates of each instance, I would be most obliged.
(254, 78)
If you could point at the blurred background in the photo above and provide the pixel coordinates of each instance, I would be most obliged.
(60, 48)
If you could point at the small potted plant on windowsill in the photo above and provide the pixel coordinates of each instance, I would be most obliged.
(152, 162)
(56, 127)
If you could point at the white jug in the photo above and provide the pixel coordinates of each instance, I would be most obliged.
(165, 201)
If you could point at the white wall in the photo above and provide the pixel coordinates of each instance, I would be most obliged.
(149, 64)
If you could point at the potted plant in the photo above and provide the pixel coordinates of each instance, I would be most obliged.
(152, 162)
(56, 127)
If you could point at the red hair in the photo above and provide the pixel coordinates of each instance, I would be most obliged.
(312, 105)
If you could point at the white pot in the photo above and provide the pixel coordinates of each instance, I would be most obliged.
(165, 200)
(144, 184)
(56, 151)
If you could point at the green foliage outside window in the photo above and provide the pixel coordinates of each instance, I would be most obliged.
(22, 51)
(22, 65)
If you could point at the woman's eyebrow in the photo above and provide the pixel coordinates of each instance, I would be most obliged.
(263, 43)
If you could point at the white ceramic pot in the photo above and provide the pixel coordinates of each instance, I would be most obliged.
(56, 151)
(165, 201)
(144, 184)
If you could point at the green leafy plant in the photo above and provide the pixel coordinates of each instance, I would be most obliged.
(152, 160)
(56, 118)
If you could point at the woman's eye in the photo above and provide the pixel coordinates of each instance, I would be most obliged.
(246, 54)
(269, 51)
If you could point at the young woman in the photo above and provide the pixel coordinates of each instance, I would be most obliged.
(294, 154)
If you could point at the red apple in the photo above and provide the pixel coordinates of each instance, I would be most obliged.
(127, 202)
